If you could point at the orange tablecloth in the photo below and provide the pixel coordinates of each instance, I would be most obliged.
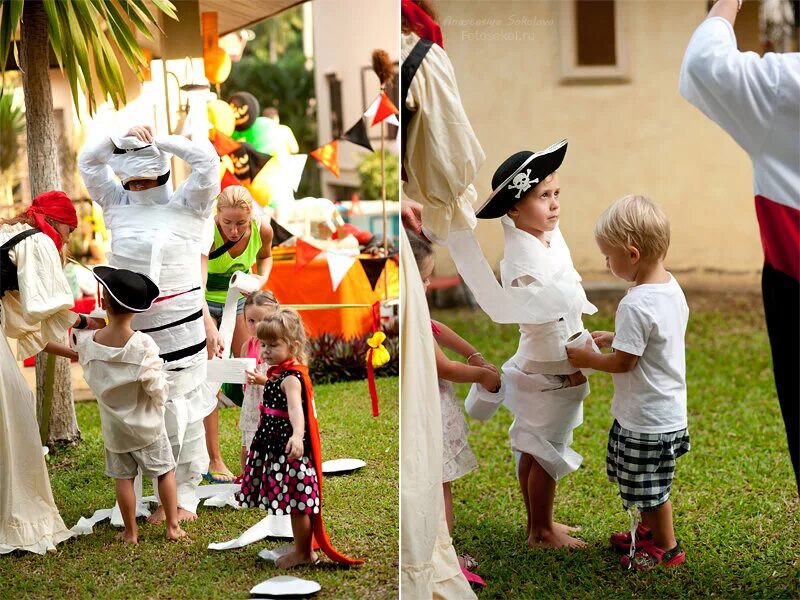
(312, 285)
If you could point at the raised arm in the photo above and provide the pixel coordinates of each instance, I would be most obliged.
(737, 90)
(202, 186)
(97, 176)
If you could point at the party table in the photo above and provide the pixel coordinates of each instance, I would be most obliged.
(312, 285)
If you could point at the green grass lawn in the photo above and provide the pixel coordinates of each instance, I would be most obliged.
(361, 515)
(734, 498)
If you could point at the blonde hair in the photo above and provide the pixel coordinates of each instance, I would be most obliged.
(286, 325)
(235, 196)
(635, 221)
(261, 298)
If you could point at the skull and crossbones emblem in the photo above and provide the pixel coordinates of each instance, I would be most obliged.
(521, 183)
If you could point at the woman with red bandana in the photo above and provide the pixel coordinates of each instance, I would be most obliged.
(35, 303)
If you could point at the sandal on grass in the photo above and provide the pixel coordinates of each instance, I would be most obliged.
(473, 578)
(219, 477)
(469, 562)
(650, 556)
(621, 540)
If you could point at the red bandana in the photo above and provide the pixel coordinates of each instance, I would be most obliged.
(56, 205)
(421, 23)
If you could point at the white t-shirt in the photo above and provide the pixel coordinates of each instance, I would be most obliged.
(651, 323)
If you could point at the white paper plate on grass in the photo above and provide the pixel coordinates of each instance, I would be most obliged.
(285, 586)
(340, 466)
(273, 554)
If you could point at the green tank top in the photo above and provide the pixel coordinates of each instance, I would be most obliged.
(222, 268)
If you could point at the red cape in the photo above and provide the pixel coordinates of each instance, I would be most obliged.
(317, 526)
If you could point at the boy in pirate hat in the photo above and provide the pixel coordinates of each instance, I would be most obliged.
(543, 390)
(125, 372)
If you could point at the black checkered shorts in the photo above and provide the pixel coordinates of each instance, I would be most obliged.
(643, 464)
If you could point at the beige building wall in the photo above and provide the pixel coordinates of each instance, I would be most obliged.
(345, 34)
(639, 136)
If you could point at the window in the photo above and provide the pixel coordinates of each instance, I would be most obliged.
(592, 40)
(335, 92)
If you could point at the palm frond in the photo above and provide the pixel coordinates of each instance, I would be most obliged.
(84, 35)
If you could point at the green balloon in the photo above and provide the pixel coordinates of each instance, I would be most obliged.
(258, 135)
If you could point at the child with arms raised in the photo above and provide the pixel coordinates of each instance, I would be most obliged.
(124, 370)
(648, 366)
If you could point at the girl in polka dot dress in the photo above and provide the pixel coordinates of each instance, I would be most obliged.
(280, 475)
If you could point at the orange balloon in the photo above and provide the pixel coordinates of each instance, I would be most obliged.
(217, 65)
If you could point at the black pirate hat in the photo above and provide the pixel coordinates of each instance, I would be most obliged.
(519, 173)
(133, 291)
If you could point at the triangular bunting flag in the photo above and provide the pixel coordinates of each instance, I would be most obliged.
(373, 267)
(228, 179)
(369, 114)
(328, 155)
(393, 120)
(279, 233)
(294, 165)
(339, 263)
(357, 134)
(224, 144)
(385, 109)
(305, 253)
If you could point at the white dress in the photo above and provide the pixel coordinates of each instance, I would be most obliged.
(36, 314)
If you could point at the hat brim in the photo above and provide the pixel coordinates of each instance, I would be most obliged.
(101, 274)
(541, 164)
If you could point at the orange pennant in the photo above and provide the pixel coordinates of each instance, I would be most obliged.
(386, 109)
(328, 155)
(304, 254)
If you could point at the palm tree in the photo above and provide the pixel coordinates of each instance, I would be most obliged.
(83, 35)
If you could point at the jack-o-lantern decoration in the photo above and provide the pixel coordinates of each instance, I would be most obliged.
(247, 162)
(245, 109)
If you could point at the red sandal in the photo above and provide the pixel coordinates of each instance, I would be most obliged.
(651, 556)
(621, 540)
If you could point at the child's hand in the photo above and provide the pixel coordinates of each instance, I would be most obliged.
(603, 339)
(490, 379)
(580, 357)
(294, 447)
(143, 133)
(477, 360)
(255, 378)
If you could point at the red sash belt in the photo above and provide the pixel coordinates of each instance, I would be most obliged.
(275, 412)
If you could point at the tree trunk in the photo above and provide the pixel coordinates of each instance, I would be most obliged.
(43, 173)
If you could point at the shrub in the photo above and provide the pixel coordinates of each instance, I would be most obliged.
(369, 172)
(332, 358)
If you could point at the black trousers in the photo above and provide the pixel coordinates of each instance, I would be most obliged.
(782, 310)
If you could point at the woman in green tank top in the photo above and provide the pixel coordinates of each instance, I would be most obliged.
(240, 242)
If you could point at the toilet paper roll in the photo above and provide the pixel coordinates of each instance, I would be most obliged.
(578, 340)
(481, 404)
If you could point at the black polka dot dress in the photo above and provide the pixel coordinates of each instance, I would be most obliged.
(271, 480)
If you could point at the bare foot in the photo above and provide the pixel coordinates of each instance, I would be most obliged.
(176, 533)
(293, 559)
(128, 538)
(560, 527)
(185, 515)
(157, 517)
(552, 538)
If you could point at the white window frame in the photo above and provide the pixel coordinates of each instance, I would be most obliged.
(570, 70)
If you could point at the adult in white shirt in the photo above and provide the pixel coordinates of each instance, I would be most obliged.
(35, 303)
(757, 101)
